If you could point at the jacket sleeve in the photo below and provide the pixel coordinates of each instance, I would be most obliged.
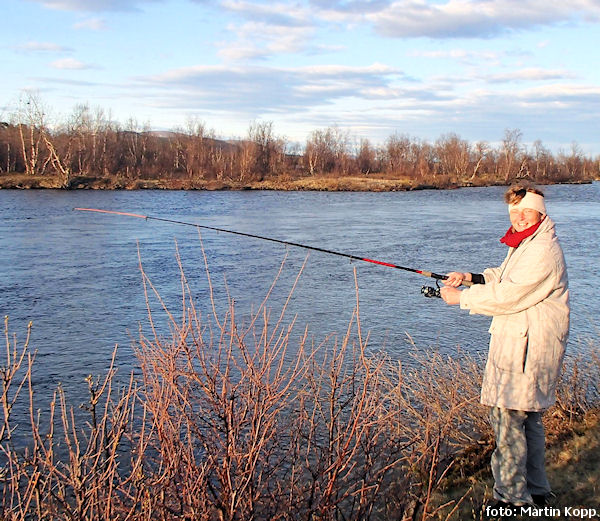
(530, 281)
(491, 274)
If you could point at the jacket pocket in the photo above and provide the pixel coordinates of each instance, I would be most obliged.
(509, 353)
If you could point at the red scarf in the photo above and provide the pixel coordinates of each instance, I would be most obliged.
(513, 239)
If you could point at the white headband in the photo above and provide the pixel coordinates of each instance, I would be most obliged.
(531, 201)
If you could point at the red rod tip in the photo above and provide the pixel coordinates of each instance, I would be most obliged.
(380, 263)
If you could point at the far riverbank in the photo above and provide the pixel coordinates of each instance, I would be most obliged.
(363, 183)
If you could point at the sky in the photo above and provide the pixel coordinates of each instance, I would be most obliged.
(371, 68)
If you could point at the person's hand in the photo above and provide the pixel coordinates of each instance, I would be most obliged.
(455, 278)
(450, 295)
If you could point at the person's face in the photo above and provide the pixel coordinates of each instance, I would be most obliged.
(521, 219)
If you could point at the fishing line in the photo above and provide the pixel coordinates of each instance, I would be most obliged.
(428, 292)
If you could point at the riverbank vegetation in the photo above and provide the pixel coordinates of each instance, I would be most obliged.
(227, 418)
(89, 150)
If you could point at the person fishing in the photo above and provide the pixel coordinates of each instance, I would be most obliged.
(528, 298)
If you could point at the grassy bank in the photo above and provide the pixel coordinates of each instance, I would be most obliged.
(320, 183)
(364, 183)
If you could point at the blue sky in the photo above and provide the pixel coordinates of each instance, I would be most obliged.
(373, 68)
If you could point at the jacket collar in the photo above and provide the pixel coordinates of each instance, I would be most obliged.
(546, 226)
(513, 253)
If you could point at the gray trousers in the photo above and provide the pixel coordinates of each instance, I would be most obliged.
(518, 461)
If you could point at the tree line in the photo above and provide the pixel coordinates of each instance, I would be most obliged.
(90, 144)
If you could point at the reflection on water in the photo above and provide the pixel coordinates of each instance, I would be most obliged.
(76, 275)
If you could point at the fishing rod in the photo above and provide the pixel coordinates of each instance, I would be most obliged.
(426, 291)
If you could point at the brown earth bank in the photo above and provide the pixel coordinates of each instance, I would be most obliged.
(316, 183)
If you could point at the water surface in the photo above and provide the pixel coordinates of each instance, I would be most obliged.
(76, 275)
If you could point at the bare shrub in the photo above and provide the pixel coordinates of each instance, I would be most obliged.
(261, 428)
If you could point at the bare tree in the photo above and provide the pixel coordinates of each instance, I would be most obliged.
(269, 149)
(60, 162)
(366, 159)
(478, 156)
(247, 159)
(10, 158)
(573, 162)
(31, 120)
(542, 160)
(327, 151)
(511, 152)
(453, 154)
(89, 144)
(89, 130)
(196, 148)
(424, 159)
(136, 138)
(398, 154)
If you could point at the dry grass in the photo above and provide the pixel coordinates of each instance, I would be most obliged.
(354, 183)
(572, 464)
(232, 420)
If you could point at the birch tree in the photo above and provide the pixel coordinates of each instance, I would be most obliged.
(31, 123)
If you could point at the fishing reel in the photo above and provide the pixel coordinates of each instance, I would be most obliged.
(429, 292)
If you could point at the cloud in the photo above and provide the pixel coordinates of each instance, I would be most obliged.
(378, 100)
(70, 82)
(282, 27)
(277, 14)
(95, 5)
(461, 55)
(476, 18)
(372, 101)
(350, 13)
(242, 52)
(417, 18)
(258, 40)
(396, 19)
(564, 95)
(529, 74)
(93, 24)
(69, 63)
(269, 29)
(352, 6)
(271, 90)
(33, 46)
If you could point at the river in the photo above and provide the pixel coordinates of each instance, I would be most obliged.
(75, 275)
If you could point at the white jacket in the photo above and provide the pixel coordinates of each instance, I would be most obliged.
(528, 297)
